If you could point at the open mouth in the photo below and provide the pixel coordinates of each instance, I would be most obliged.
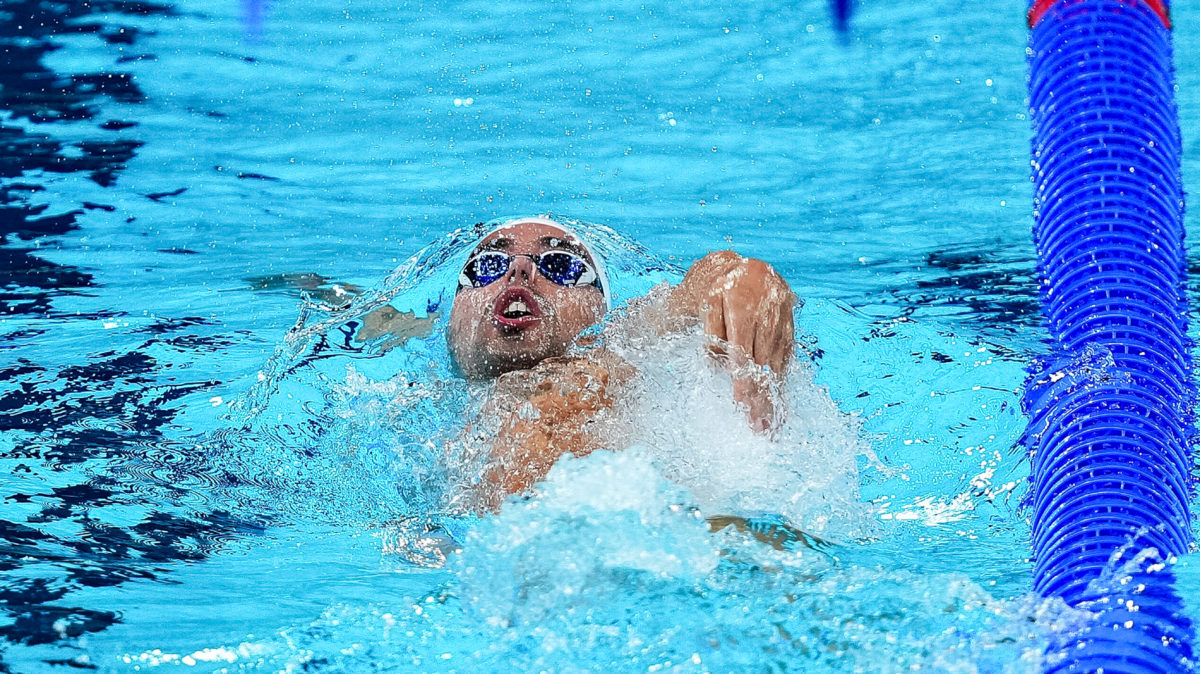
(516, 309)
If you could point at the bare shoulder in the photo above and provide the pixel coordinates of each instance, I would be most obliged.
(591, 374)
(557, 407)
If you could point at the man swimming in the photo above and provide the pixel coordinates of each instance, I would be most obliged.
(531, 286)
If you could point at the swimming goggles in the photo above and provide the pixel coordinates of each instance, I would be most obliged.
(561, 267)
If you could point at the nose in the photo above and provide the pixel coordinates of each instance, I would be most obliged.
(520, 269)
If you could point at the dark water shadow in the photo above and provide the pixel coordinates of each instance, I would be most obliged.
(992, 290)
(105, 405)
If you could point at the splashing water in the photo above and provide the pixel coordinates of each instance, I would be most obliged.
(607, 563)
(338, 404)
(681, 408)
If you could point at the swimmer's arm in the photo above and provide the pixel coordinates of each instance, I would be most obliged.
(745, 307)
(385, 323)
(554, 409)
(315, 286)
(778, 535)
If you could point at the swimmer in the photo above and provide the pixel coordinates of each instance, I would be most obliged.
(531, 286)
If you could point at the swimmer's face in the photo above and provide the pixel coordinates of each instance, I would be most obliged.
(522, 317)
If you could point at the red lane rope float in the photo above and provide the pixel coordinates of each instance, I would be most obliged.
(1040, 8)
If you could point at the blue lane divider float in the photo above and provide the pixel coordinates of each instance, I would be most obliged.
(1110, 415)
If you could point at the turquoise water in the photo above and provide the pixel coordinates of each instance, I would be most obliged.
(188, 488)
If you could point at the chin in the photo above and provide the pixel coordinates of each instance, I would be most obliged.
(481, 349)
(502, 360)
(511, 355)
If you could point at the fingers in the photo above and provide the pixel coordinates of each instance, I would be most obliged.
(713, 313)
(749, 305)
(774, 339)
(761, 328)
(739, 328)
(747, 313)
(766, 341)
(788, 337)
(740, 297)
(757, 397)
(714, 317)
(763, 344)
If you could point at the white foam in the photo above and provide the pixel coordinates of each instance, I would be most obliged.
(681, 409)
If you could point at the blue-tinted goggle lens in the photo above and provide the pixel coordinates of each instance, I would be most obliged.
(563, 268)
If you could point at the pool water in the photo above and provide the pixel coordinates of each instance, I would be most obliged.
(204, 469)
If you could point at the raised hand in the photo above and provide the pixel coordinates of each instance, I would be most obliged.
(746, 307)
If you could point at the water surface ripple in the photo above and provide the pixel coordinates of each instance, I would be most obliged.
(176, 177)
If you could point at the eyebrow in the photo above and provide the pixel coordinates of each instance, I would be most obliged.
(552, 242)
(559, 242)
(500, 243)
